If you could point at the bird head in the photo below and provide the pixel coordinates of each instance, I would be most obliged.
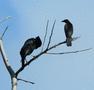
(38, 42)
(65, 20)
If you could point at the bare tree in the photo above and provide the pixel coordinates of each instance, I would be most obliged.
(14, 74)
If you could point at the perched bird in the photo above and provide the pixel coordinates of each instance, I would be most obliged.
(28, 47)
(68, 28)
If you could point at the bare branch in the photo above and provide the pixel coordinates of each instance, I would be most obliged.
(3, 54)
(51, 35)
(54, 46)
(35, 57)
(45, 35)
(25, 81)
(4, 32)
(70, 52)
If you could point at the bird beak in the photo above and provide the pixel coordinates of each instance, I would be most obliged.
(62, 21)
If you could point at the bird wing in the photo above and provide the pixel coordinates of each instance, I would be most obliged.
(28, 47)
(29, 41)
(68, 30)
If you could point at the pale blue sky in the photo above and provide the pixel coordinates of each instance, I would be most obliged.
(64, 72)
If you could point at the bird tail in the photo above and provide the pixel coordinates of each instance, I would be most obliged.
(69, 41)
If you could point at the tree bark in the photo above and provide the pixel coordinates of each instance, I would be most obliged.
(14, 83)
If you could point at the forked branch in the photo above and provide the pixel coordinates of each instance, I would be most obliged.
(43, 52)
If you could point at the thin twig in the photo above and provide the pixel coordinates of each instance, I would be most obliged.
(69, 52)
(45, 35)
(74, 38)
(25, 81)
(56, 45)
(51, 35)
(4, 32)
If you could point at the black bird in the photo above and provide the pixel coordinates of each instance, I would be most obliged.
(68, 28)
(28, 47)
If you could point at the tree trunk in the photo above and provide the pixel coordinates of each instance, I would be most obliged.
(14, 83)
